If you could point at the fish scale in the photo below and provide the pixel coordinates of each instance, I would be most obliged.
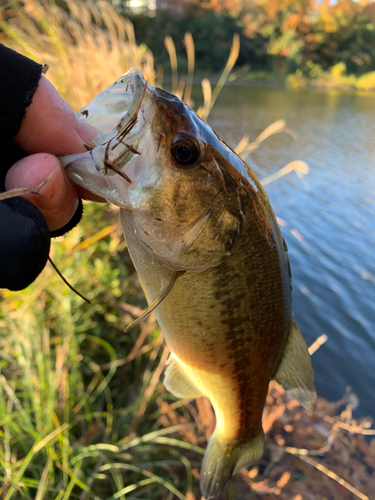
(211, 260)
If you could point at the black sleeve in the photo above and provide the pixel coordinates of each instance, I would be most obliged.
(24, 235)
(19, 78)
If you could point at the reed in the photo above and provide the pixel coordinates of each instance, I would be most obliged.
(74, 414)
(76, 394)
(83, 413)
(86, 47)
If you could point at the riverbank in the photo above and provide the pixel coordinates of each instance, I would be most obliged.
(310, 454)
(334, 79)
(315, 454)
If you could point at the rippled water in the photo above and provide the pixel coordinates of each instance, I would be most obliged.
(330, 218)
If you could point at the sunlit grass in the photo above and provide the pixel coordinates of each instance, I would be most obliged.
(76, 394)
(87, 47)
(82, 408)
(83, 413)
(182, 86)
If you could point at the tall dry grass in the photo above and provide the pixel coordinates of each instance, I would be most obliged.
(82, 410)
(77, 395)
(87, 47)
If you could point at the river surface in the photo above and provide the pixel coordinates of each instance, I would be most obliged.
(329, 218)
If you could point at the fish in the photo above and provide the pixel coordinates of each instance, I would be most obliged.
(210, 257)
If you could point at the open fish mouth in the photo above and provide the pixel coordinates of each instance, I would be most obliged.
(121, 113)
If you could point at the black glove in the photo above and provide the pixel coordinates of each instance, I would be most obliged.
(24, 235)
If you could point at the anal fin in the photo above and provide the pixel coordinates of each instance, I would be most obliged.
(295, 372)
(178, 383)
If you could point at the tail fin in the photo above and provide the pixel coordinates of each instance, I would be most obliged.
(221, 460)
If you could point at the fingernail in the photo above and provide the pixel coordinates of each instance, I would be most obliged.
(53, 191)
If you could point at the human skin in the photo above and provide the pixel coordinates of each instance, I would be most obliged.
(50, 128)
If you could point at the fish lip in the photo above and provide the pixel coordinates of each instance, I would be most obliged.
(131, 83)
(117, 113)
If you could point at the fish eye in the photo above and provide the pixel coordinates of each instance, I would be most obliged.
(185, 151)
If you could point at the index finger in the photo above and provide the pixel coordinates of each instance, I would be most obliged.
(51, 126)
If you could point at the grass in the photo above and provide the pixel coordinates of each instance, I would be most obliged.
(80, 402)
(86, 47)
(83, 413)
(313, 76)
(336, 77)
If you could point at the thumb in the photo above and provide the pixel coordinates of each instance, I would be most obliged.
(57, 198)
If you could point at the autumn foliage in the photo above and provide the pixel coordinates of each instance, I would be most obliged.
(277, 36)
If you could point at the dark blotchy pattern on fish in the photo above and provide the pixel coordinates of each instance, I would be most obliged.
(208, 223)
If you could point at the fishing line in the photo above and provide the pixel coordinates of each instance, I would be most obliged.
(13, 193)
(67, 282)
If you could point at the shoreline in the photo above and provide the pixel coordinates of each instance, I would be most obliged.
(278, 84)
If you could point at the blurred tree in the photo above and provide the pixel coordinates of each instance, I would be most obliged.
(237, 8)
(212, 30)
(279, 36)
(343, 32)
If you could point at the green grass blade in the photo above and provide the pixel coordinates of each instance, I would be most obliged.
(156, 478)
(34, 450)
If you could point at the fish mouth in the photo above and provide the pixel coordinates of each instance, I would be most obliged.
(121, 114)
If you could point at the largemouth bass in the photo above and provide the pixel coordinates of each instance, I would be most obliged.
(211, 259)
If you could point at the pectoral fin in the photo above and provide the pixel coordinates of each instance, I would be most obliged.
(295, 372)
(177, 382)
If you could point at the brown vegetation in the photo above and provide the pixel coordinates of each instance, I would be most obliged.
(82, 408)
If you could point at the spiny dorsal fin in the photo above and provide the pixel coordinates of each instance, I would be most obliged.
(178, 383)
(295, 372)
(164, 291)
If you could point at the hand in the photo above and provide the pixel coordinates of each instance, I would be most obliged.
(50, 128)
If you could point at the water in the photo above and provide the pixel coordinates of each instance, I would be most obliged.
(330, 219)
